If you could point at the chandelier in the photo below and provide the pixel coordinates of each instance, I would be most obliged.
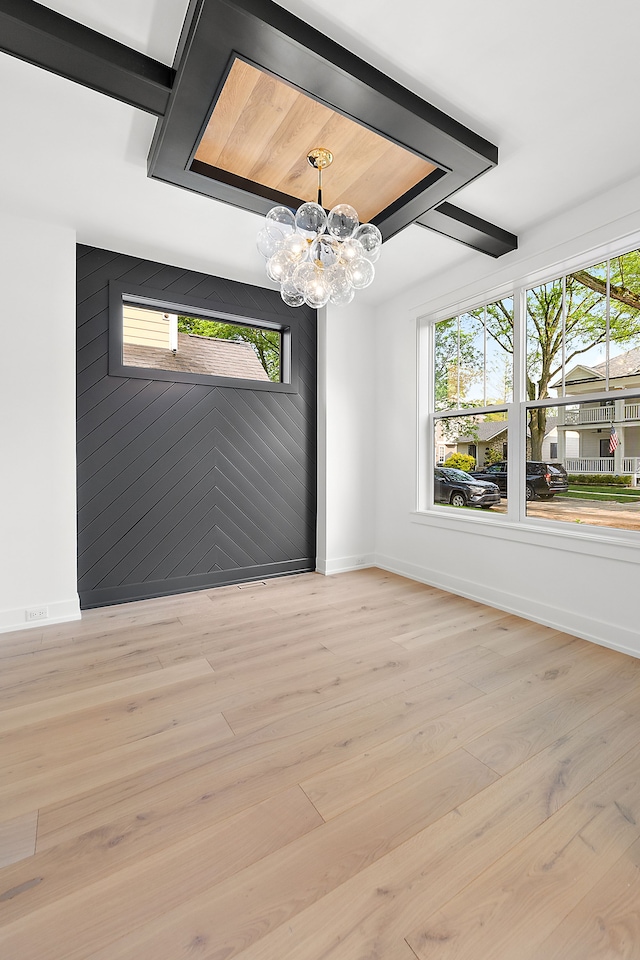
(315, 256)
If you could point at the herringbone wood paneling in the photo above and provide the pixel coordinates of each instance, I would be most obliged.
(183, 486)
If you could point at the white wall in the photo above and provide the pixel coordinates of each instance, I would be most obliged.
(582, 584)
(346, 437)
(37, 390)
(367, 412)
(37, 395)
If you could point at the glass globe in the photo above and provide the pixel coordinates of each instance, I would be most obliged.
(372, 255)
(324, 250)
(342, 295)
(311, 220)
(336, 271)
(295, 248)
(341, 290)
(342, 222)
(351, 250)
(361, 273)
(302, 275)
(370, 238)
(317, 291)
(279, 267)
(269, 241)
(291, 295)
(282, 219)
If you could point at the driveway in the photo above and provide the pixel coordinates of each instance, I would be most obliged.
(602, 514)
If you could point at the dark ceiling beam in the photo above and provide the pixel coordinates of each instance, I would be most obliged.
(267, 36)
(49, 40)
(464, 227)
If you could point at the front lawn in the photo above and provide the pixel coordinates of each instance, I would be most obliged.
(603, 493)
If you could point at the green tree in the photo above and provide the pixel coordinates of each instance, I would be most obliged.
(266, 343)
(457, 358)
(584, 326)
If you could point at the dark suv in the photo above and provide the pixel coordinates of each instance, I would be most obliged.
(462, 490)
(543, 479)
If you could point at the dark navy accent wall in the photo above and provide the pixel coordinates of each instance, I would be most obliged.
(186, 486)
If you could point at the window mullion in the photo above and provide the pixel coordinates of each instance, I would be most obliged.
(564, 334)
(517, 416)
(608, 322)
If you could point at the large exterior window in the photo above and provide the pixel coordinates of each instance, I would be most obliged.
(582, 330)
(473, 370)
(469, 444)
(539, 392)
(474, 357)
(589, 463)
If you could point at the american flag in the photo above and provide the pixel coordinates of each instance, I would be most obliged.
(613, 439)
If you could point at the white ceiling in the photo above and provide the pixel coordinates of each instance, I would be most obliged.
(553, 84)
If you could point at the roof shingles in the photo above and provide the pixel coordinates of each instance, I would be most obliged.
(197, 354)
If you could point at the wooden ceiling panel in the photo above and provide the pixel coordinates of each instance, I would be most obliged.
(282, 164)
(227, 112)
(261, 129)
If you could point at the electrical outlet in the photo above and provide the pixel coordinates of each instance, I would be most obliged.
(37, 613)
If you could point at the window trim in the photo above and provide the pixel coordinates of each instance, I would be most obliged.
(120, 293)
(515, 524)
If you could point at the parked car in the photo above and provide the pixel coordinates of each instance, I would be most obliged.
(543, 479)
(461, 490)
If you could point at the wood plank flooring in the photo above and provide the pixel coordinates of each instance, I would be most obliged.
(356, 767)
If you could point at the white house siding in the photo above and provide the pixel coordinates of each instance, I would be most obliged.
(572, 443)
(632, 441)
(551, 437)
(590, 442)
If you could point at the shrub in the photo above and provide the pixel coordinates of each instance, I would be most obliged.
(600, 479)
(461, 461)
(493, 455)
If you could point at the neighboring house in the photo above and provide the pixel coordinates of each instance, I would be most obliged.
(197, 354)
(491, 435)
(589, 424)
(550, 442)
(488, 443)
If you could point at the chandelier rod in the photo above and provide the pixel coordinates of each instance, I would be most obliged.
(319, 158)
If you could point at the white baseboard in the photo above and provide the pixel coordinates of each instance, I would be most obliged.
(60, 611)
(601, 632)
(344, 564)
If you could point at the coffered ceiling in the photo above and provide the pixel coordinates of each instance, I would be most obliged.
(260, 132)
(551, 85)
(251, 91)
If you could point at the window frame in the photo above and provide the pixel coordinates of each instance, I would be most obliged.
(514, 524)
(121, 293)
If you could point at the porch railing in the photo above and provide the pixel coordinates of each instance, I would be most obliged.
(601, 465)
(600, 414)
(589, 464)
(590, 415)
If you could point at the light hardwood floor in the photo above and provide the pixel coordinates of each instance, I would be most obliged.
(354, 767)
